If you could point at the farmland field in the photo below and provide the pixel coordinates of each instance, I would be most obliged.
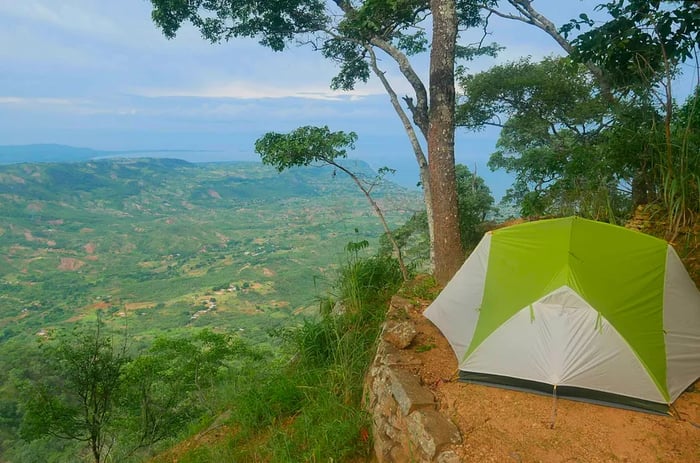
(163, 246)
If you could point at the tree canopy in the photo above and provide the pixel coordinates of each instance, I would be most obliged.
(597, 132)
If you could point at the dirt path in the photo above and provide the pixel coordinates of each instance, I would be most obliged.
(504, 426)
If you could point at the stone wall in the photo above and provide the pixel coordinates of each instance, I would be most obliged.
(407, 425)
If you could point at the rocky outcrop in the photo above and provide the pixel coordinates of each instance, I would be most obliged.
(407, 423)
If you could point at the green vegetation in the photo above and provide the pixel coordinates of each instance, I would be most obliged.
(161, 249)
(307, 145)
(352, 34)
(306, 406)
(197, 265)
(475, 205)
(299, 403)
(599, 132)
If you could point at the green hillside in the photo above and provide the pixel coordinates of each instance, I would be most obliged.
(165, 246)
(153, 238)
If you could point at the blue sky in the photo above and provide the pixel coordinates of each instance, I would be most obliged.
(98, 74)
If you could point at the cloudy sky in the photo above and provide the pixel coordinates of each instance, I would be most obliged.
(98, 74)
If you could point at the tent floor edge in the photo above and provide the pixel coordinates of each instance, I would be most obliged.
(566, 392)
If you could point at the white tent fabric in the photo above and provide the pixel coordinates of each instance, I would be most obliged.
(568, 344)
(466, 290)
(681, 327)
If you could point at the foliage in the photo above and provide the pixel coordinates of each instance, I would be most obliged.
(640, 50)
(302, 405)
(304, 146)
(77, 398)
(642, 41)
(339, 35)
(306, 405)
(553, 120)
(366, 281)
(274, 22)
(170, 386)
(93, 393)
(157, 258)
(351, 34)
(681, 173)
(412, 237)
(475, 203)
(634, 58)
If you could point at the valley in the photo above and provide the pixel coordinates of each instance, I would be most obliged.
(171, 245)
(162, 247)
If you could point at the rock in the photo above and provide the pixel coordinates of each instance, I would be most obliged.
(389, 355)
(339, 309)
(431, 431)
(399, 304)
(408, 392)
(399, 455)
(400, 333)
(382, 447)
(448, 456)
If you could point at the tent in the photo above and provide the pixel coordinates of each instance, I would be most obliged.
(576, 308)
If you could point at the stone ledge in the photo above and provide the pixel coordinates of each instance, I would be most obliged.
(407, 425)
(408, 392)
(432, 431)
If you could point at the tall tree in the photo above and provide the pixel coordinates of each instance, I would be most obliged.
(640, 50)
(475, 203)
(441, 141)
(524, 11)
(355, 35)
(552, 118)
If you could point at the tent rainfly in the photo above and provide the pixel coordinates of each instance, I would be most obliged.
(577, 308)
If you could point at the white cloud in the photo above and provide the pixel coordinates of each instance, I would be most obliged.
(250, 90)
(33, 101)
(66, 106)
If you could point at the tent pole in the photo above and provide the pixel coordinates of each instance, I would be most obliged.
(554, 408)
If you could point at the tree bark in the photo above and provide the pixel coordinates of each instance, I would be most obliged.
(449, 254)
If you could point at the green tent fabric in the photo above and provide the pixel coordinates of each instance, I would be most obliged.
(587, 308)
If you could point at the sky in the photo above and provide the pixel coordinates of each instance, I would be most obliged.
(99, 74)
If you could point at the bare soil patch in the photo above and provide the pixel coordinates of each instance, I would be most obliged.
(70, 264)
(139, 305)
(499, 425)
(267, 272)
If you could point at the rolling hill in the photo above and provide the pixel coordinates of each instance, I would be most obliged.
(164, 246)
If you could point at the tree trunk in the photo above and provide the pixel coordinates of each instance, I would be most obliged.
(449, 253)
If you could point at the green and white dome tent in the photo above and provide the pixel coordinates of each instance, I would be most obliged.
(585, 309)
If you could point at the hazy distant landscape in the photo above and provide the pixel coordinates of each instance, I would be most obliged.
(157, 239)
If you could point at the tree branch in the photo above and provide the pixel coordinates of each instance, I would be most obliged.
(529, 15)
(420, 110)
(415, 144)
